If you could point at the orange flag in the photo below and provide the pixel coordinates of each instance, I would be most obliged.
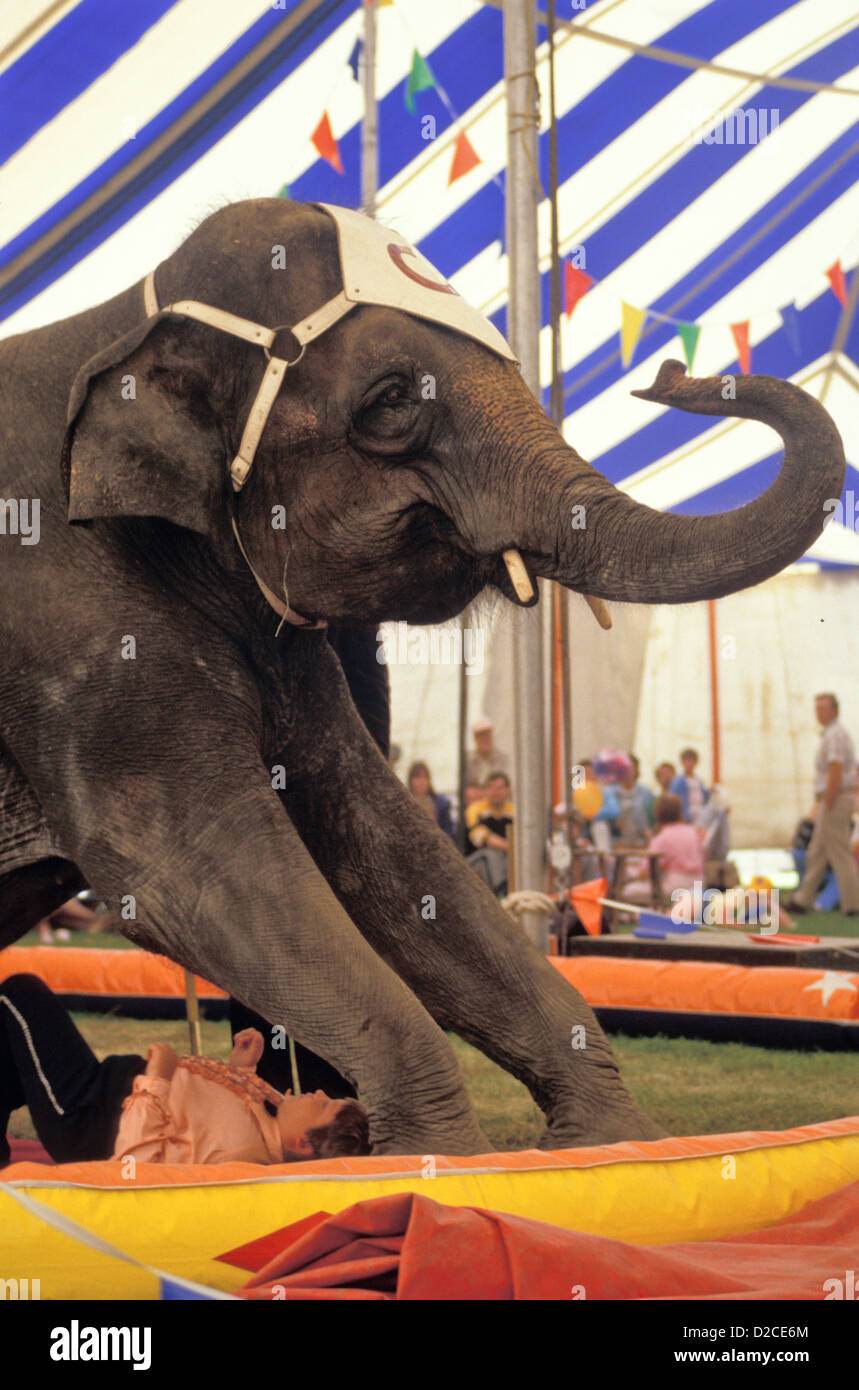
(585, 899)
(740, 333)
(576, 285)
(325, 145)
(835, 276)
(464, 160)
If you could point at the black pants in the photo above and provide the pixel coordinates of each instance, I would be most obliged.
(314, 1073)
(74, 1100)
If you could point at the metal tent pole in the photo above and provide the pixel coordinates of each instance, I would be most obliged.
(370, 123)
(523, 327)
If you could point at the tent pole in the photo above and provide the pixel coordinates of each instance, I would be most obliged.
(370, 122)
(714, 691)
(563, 753)
(523, 327)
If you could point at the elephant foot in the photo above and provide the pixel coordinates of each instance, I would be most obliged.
(428, 1143)
(605, 1129)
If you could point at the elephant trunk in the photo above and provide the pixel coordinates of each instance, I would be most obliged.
(575, 527)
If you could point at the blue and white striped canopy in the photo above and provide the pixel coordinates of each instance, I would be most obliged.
(122, 125)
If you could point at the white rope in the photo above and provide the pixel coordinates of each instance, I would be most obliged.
(528, 900)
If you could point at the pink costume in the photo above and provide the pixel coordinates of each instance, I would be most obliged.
(209, 1112)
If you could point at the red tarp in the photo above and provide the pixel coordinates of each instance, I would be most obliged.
(409, 1247)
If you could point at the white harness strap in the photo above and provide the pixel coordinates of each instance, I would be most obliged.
(259, 336)
(259, 413)
(324, 318)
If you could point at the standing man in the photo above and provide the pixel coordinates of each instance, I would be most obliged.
(486, 758)
(835, 777)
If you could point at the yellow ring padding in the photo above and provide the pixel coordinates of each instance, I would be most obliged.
(179, 1229)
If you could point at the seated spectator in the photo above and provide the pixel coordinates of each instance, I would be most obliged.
(161, 1109)
(689, 787)
(665, 774)
(486, 758)
(635, 807)
(487, 822)
(438, 807)
(681, 859)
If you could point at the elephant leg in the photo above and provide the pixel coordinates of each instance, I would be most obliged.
(435, 922)
(197, 845)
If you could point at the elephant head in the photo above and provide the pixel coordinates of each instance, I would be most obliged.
(402, 455)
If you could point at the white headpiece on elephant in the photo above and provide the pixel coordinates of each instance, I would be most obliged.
(378, 266)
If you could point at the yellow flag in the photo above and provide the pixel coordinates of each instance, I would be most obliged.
(630, 328)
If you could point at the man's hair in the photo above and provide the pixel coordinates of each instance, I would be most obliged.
(347, 1134)
(661, 766)
(667, 810)
(827, 695)
(498, 776)
(689, 753)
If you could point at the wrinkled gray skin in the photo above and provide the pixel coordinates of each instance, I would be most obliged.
(152, 776)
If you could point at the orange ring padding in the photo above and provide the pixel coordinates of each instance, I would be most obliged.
(386, 1167)
(78, 970)
(709, 987)
(690, 986)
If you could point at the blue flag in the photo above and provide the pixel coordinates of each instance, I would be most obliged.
(176, 1293)
(790, 324)
(656, 926)
(355, 57)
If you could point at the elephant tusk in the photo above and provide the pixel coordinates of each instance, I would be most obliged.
(599, 611)
(519, 576)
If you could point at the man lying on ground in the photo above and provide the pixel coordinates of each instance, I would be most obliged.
(161, 1109)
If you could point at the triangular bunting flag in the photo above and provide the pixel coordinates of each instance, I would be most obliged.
(740, 333)
(585, 899)
(631, 320)
(576, 285)
(835, 276)
(790, 324)
(688, 333)
(420, 79)
(465, 158)
(284, 192)
(355, 57)
(324, 143)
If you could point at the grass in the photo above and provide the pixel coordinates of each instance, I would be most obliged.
(688, 1086)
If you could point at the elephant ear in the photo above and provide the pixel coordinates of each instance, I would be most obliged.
(142, 437)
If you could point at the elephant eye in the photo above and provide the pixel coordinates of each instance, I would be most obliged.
(390, 414)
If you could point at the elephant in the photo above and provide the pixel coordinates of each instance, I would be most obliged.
(180, 737)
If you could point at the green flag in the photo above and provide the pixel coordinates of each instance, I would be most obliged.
(284, 192)
(688, 335)
(420, 80)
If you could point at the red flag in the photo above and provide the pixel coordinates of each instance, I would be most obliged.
(576, 284)
(324, 143)
(835, 276)
(464, 160)
(585, 899)
(744, 352)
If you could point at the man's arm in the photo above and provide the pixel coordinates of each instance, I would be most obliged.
(833, 785)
